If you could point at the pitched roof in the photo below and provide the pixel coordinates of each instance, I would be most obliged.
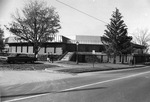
(84, 39)
(10, 40)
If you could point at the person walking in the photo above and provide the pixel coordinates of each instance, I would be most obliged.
(51, 57)
(48, 57)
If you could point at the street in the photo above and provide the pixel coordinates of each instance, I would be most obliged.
(130, 85)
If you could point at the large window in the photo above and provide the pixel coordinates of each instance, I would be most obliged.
(30, 49)
(41, 50)
(18, 49)
(24, 49)
(59, 50)
(50, 49)
(13, 49)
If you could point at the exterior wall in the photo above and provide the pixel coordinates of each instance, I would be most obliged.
(85, 47)
(61, 44)
(56, 45)
(119, 59)
(70, 47)
(84, 57)
(90, 47)
(55, 48)
(103, 58)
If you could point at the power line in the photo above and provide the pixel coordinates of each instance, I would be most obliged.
(81, 12)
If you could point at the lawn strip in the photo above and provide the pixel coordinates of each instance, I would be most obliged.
(90, 69)
(25, 66)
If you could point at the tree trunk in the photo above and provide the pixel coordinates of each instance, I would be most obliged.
(114, 59)
(35, 54)
(122, 59)
(35, 50)
(108, 57)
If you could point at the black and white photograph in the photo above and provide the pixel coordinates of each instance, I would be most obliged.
(74, 50)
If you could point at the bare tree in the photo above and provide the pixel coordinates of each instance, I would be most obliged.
(142, 37)
(35, 23)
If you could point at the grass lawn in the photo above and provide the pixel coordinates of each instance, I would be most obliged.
(82, 70)
(90, 69)
(24, 66)
(87, 67)
(74, 68)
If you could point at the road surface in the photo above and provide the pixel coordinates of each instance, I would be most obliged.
(112, 86)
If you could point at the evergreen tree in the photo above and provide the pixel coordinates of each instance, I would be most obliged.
(115, 38)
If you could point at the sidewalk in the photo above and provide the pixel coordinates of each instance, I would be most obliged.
(22, 77)
(26, 82)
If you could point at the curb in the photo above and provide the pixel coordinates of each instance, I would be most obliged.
(109, 69)
(57, 71)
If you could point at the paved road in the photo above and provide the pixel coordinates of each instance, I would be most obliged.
(115, 86)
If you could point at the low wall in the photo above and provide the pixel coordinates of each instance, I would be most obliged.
(136, 58)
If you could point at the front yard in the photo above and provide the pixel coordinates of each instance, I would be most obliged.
(24, 66)
(70, 67)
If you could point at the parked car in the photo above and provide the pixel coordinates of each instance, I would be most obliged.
(18, 58)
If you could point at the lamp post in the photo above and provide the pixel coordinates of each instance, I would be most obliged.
(77, 44)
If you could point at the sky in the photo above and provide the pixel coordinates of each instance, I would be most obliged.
(136, 15)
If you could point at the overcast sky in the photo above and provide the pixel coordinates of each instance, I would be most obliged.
(136, 14)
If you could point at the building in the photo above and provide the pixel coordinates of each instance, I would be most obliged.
(67, 49)
(58, 45)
